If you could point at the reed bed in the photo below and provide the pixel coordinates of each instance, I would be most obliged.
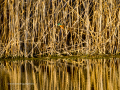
(29, 27)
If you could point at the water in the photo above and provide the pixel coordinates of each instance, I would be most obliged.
(60, 74)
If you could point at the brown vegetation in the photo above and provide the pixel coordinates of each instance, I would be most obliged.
(29, 27)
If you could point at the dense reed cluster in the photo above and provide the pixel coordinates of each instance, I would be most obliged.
(29, 27)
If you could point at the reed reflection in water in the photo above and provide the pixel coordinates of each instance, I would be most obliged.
(60, 74)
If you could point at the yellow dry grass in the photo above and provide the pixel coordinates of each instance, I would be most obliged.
(29, 27)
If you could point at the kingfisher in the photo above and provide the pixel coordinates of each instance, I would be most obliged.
(61, 25)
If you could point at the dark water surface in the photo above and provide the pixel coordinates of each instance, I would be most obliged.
(60, 74)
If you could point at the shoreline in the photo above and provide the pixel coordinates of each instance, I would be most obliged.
(100, 56)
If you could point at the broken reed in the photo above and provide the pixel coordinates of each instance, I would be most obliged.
(29, 27)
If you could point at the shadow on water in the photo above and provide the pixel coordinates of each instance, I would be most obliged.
(60, 74)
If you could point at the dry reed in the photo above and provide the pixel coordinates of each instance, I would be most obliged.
(29, 27)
